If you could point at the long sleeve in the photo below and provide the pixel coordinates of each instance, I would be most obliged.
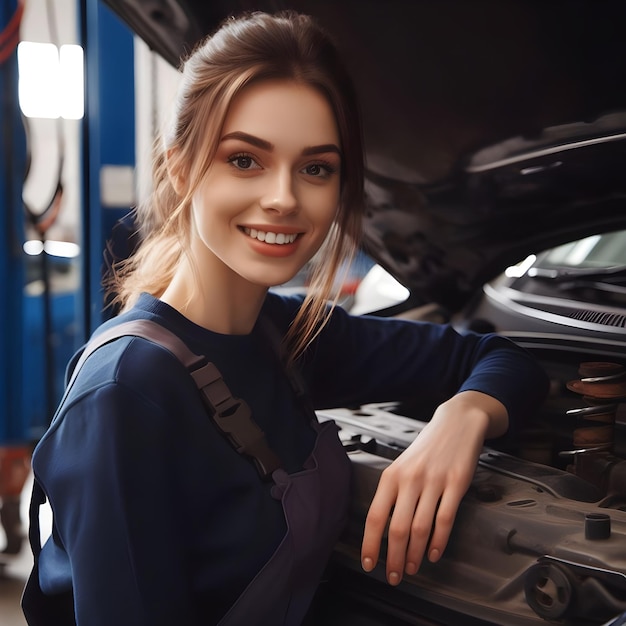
(109, 473)
(158, 520)
(361, 359)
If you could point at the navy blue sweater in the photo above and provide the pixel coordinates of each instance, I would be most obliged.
(157, 519)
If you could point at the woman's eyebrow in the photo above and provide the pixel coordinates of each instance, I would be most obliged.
(251, 139)
(266, 145)
(326, 147)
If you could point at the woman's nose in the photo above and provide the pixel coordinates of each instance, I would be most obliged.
(279, 195)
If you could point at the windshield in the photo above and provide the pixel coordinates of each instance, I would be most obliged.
(591, 271)
(596, 252)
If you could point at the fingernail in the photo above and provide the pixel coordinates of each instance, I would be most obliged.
(433, 556)
(393, 578)
(367, 564)
(410, 569)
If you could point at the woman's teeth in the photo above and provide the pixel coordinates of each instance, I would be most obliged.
(267, 237)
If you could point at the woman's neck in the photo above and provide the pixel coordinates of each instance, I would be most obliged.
(215, 298)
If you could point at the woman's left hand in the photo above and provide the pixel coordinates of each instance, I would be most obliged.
(422, 489)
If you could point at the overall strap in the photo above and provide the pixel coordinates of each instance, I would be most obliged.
(231, 415)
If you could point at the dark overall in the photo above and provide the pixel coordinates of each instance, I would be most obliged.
(315, 505)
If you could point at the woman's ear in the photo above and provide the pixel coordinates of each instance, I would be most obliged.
(175, 174)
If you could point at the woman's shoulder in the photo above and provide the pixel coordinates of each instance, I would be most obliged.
(120, 360)
(125, 384)
(135, 346)
(130, 361)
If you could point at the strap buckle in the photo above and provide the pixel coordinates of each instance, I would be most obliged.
(234, 418)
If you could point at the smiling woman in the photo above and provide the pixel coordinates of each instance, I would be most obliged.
(312, 73)
(230, 518)
(275, 176)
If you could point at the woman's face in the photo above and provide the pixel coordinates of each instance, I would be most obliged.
(269, 198)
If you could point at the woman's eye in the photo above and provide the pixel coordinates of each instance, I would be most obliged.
(319, 170)
(243, 162)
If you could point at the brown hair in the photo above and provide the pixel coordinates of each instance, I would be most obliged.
(256, 46)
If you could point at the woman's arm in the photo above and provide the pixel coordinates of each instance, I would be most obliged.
(475, 386)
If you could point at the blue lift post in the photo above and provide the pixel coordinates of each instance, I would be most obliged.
(108, 141)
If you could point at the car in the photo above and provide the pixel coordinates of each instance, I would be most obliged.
(495, 134)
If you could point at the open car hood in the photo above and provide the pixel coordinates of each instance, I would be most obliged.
(492, 129)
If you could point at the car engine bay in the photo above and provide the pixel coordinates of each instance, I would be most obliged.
(540, 535)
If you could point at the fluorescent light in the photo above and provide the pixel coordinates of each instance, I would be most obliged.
(65, 249)
(33, 247)
(50, 80)
(71, 83)
(38, 79)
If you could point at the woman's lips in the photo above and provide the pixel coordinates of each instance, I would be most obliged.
(271, 243)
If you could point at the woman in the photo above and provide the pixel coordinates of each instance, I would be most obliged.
(158, 519)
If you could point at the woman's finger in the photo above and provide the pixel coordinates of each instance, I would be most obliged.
(399, 533)
(444, 521)
(421, 529)
(376, 522)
